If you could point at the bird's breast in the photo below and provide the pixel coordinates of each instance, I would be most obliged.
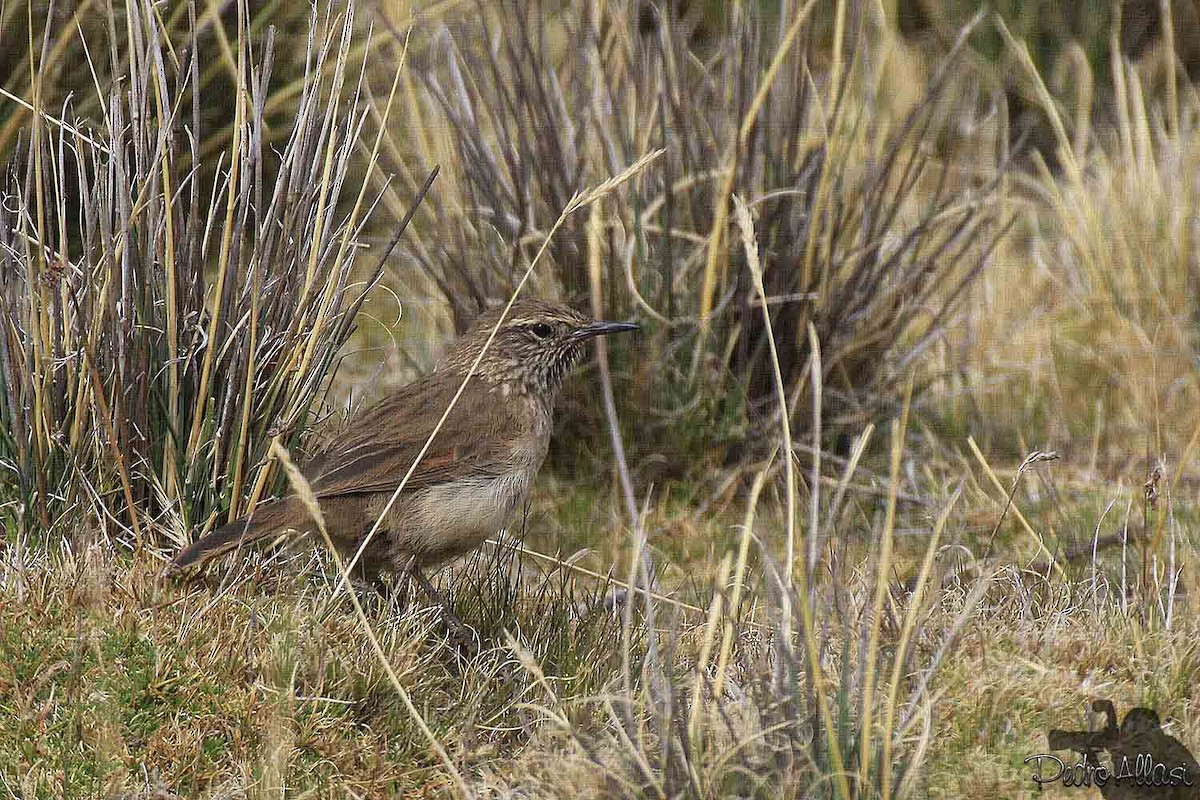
(452, 518)
(474, 503)
(457, 516)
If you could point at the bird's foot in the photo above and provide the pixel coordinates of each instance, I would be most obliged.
(462, 637)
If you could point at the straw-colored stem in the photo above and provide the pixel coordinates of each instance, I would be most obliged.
(811, 649)
(224, 266)
(882, 579)
(739, 578)
(350, 224)
(114, 445)
(172, 299)
(987, 469)
(595, 231)
(742, 216)
(715, 610)
(716, 239)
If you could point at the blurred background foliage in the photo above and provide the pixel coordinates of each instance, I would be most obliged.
(1072, 46)
(67, 50)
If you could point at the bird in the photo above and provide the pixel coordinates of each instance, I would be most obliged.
(478, 469)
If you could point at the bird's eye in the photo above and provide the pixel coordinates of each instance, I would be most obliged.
(541, 330)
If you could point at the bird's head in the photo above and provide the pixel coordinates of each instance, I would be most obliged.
(534, 347)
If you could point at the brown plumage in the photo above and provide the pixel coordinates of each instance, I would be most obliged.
(475, 474)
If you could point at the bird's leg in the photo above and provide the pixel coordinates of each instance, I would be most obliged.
(466, 639)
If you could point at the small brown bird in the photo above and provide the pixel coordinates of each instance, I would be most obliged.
(477, 471)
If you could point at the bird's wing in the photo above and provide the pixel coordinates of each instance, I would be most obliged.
(377, 449)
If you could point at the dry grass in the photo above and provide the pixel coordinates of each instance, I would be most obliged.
(239, 686)
(118, 684)
(1034, 660)
(1089, 317)
(904, 612)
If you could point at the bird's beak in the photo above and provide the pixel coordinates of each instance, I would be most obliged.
(602, 328)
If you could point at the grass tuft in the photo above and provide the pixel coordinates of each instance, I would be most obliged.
(157, 339)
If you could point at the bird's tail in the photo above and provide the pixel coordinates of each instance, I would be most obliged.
(268, 519)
